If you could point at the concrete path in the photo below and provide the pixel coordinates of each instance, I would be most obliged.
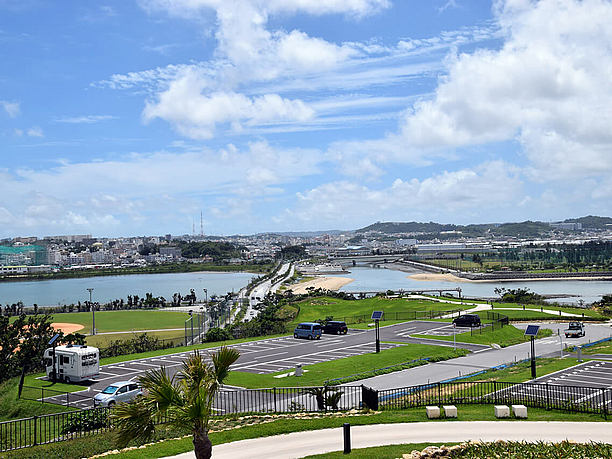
(300, 444)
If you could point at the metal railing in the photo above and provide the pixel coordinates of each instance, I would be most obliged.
(581, 399)
(51, 428)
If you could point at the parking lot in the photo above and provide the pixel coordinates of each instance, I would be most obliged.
(262, 357)
(275, 355)
(575, 386)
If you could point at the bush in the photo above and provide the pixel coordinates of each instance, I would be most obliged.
(217, 334)
(84, 421)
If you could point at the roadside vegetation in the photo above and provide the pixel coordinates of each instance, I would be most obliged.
(482, 450)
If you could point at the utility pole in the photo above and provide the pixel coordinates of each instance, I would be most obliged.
(93, 312)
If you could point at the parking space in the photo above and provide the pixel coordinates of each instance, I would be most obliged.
(582, 384)
(593, 373)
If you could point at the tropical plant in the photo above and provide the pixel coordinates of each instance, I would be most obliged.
(184, 400)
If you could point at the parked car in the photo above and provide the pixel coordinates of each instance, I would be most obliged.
(575, 330)
(467, 320)
(335, 327)
(309, 330)
(122, 391)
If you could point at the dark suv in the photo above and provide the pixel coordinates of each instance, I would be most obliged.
(336, 327)
(467, 320)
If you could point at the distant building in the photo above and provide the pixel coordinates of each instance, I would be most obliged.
(567, 226)
(174, 252)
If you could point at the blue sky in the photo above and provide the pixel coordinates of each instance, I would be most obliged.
(130, 117)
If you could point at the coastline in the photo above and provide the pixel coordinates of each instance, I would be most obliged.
(448, 277)
(327, 283)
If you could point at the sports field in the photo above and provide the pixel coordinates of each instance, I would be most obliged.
(115, 321)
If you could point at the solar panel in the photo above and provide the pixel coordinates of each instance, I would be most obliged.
(532, 330)
(377, 315)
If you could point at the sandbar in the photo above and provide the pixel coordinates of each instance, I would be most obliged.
(326, 283)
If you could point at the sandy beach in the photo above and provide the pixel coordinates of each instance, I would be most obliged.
(328, 283)
(452, 278)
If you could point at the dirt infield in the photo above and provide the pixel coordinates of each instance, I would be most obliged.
(67, 327)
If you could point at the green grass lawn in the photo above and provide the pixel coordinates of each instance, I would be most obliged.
(588, 313)
(601, 348)
(350, 311)
(521, 372)
(13, 408)
(316, 374)
(103, 341)
(506, 336)
(110, 321)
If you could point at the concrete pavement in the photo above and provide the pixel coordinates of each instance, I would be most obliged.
(300, 444)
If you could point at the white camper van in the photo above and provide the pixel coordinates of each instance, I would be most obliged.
(73, 363)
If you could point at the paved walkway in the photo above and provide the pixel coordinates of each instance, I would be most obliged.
(300, 444)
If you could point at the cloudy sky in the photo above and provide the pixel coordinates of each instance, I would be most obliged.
(131, 117)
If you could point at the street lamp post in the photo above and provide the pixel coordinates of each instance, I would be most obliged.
(93, 312)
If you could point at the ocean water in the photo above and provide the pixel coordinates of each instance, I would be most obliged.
(379, 279)
(65, 291)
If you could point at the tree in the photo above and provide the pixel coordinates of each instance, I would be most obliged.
(183, 400)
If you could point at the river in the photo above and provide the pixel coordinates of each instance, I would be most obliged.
(380, 279)
(107, 288)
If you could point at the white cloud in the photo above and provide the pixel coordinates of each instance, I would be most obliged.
(35, 131)
(85, 119)
(493, 186)
(548, 87)
(142, 190)
(12, 109)
(196, 115)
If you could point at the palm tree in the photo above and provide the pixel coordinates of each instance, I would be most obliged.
(185, 399)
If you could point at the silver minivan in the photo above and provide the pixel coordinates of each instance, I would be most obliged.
(122, 391)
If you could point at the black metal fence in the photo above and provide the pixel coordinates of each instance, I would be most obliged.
(51, 428)
(80, 399)
(581, 399)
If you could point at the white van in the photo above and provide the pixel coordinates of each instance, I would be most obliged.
(73, 363)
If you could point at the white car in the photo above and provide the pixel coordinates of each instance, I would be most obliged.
(122, 391)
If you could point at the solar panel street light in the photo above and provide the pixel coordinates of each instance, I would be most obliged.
(376, 317)
(532, 330)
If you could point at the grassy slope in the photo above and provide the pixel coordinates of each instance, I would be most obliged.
(13, 408)
(506, 336)
(316, 374)
(321, 307)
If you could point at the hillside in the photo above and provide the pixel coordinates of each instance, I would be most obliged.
(514, 229)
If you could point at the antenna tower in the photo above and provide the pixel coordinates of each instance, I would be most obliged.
(201, 225)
